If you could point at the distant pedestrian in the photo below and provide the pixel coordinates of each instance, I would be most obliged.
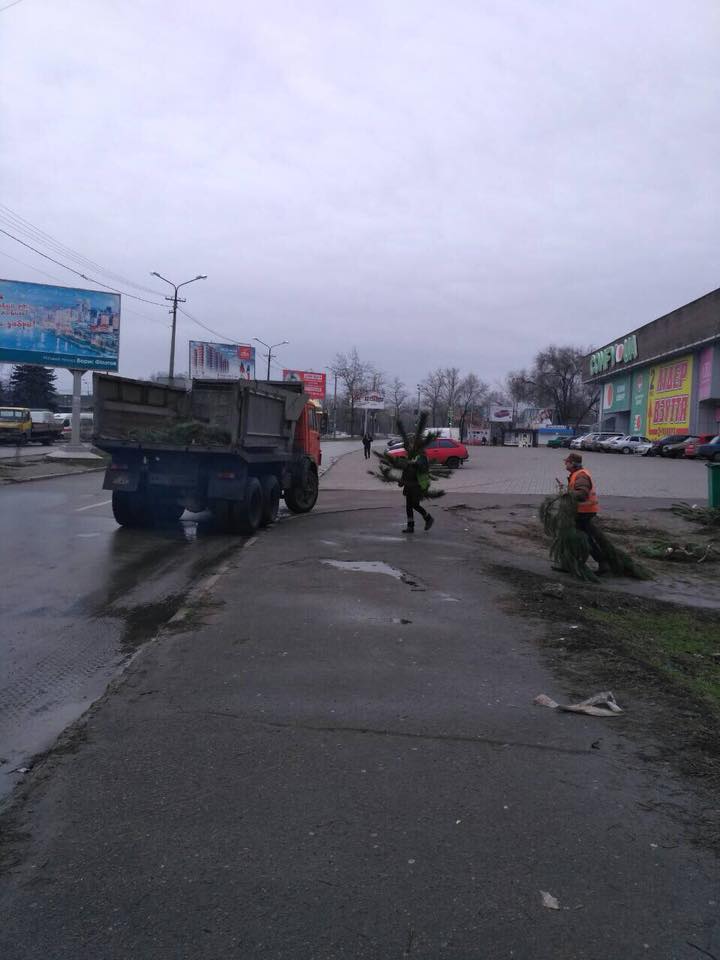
(415, 481)
(367, 444)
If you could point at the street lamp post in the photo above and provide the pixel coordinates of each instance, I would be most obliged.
(269, 347)
(418, 403)
(175, 300)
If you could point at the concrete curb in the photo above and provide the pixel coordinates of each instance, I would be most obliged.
(11, 481)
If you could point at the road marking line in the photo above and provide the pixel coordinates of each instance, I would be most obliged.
(90, 506)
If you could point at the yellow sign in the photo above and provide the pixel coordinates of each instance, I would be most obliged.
(668, 405)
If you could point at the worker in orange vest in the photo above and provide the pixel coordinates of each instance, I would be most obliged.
(581, 486)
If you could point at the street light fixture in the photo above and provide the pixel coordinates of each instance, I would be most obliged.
(269, 347)
(175, 300)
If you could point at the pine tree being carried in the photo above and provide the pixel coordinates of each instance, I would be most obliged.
(413, 472)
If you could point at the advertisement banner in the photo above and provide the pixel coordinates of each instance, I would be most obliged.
(59, 326)
(705, 373)
(668, 409)
(221, 361)
(370, 401)
(500, 413)
(616, 395)
(638, 409)
(313, 383)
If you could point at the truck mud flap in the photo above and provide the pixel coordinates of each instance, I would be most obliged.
(227, 483)
(120, 477)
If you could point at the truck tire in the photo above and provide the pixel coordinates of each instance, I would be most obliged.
(271, 500)
(302, 496)
(243, 516)
(130, 509)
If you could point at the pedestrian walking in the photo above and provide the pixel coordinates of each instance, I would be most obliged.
(415, 481)
(367, 444)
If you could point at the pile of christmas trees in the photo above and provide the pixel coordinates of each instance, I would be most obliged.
(390, 469)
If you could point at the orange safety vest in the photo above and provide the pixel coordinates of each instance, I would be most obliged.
(592, 504)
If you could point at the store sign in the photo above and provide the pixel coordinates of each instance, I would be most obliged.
(313, 383)
(621, 352)
(616, 395)
(705, 372)
(638, 407)
(668, 408)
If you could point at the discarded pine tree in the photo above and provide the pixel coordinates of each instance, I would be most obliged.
(570, 547)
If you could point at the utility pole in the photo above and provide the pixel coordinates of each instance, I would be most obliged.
(269, 348)
(418, 403)
(175, 300)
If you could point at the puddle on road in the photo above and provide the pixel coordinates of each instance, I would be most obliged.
(365, 566)
(375, 566)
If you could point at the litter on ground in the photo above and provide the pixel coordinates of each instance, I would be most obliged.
(601, 705)
(549, 901)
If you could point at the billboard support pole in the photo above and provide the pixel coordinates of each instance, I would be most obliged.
(76, 404)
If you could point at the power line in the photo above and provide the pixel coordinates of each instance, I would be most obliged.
(30, 266)
(31, 232)
(13, 4)
(107, 286)
(225, 338)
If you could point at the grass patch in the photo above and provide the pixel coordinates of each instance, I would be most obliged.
(683, 646)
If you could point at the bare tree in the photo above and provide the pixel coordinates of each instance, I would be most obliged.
(556, 381)
(471, 393)
(451, 385)
(431, 391)
(398, 395)
(353, 373)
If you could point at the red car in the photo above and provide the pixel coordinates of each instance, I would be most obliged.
(694, 442)
(449, 452)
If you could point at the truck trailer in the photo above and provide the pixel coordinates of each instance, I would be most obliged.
(234, 447)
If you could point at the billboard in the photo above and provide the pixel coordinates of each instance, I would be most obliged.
(313, 383)
(370, 401)
(668, 409)
(221, 361)
(59, 326)
(500, 413)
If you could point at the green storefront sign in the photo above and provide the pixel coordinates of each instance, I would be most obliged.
(638, 408)
(616, 395)
(621, 352)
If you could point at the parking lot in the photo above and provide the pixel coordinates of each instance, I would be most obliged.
(517, 470)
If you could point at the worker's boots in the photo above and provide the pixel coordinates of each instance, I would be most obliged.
(428, 522)
(409, 527)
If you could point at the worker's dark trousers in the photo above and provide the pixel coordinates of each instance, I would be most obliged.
(586, 523)
(412, 502)
(367, 448)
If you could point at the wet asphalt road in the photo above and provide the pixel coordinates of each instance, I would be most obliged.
(79, 593)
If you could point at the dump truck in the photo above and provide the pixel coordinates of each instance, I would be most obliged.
(234, 447)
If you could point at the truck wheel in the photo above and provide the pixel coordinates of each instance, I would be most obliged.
(271, 500)
(248, 513)
(130, 509)
(302, 497)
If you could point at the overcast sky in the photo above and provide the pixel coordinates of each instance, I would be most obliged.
(454, 183)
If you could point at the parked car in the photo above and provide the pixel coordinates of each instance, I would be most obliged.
(626, 444)
(556, 442)
(452, 453)
(710, 451)
(692, 445)
(643, 449)
(587, 440)
(676, 450)
(659, 446)
(596, 439)
(576, 442)
(394, 442)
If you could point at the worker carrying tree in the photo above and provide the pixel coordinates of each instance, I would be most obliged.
(581, 487)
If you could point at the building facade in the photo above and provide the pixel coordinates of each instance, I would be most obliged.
(663, 377)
